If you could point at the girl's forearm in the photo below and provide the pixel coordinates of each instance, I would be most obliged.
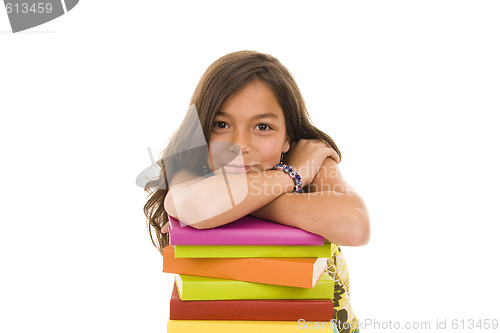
(341, 218)
(221, 199)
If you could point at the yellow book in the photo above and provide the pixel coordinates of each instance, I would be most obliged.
(232, 326)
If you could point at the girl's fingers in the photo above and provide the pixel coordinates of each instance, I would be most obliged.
(331, 152)
(307, 156)
(335, 156)
(164, 229)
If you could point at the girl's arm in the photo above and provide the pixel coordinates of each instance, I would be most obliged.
(333, 209)
(222, 198)
(211, 202)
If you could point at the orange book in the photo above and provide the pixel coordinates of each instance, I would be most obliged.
(293, 272)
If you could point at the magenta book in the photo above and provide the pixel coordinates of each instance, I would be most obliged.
(245, 231)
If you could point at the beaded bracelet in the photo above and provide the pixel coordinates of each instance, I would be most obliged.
(293, 174)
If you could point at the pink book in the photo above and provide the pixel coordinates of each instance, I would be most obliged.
(245, 231)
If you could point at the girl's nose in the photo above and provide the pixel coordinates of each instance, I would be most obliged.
(242, 141)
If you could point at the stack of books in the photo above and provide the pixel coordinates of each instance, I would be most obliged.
(250, 275)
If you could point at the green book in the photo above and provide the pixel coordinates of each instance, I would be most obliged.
(198, 288)
(252, 251)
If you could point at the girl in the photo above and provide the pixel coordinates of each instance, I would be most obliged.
(249, 104)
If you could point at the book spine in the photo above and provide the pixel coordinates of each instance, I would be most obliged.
(208, 289)
(267, 310)
(245, 231)
(243, 251)
(231, 326)
(259, 270)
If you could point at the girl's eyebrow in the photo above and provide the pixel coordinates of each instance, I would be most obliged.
(258, 116)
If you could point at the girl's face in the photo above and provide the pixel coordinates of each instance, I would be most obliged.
(249, 132)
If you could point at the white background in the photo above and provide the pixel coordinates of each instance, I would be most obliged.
(409, 90)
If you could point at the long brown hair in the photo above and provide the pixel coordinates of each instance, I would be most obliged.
(225, 77)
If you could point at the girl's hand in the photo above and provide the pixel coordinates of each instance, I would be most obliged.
(307, 157)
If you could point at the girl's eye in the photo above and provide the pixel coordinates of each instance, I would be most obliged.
(220, 124)
(264, 127)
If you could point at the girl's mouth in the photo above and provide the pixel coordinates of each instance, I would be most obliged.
(237, 168)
